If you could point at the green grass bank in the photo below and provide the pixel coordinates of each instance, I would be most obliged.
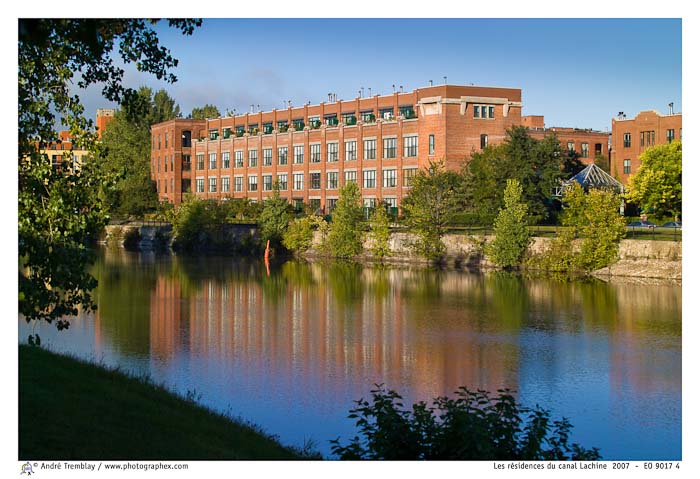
(74, 410)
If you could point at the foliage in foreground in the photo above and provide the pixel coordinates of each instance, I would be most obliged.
(512, 235)
(346, 229)
(300, 233)
(470, 426)
(380, 232)
(274, 217)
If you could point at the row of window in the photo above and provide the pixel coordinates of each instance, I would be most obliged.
(370, 153)
(647, 138)
(369, 180)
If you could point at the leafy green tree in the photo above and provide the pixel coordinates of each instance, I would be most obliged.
(602, 162)
(125, 154)
(300, 233)
(511, 234)
(470, 426)
(379, 232)
(657, 184)
(58, 210)
(346, 229)
(595, 218)
(572, 163)
(275, 217)
(207, 111)
(428, 208)
(536, 164)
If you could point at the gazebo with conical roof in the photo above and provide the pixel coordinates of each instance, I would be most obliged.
(591, 176)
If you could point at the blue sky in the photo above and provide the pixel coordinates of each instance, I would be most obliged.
(575, 72)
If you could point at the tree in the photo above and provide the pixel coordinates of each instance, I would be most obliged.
(428, 207)
(595, 218)
(345, 233)
(58, 211)
(656, 186)
(572, 164)
(274, 217)
(536, 164)
(379, 232)
(510, 229)
(207, 111)
(125, 153)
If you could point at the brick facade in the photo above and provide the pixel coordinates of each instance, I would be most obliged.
(631, 137)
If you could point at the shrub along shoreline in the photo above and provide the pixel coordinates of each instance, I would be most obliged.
(71, 409)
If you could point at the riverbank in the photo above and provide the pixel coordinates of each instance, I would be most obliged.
(74, 410)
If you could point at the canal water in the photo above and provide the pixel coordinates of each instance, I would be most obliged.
(292, 349)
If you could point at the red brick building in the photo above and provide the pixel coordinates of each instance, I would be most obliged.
(312, 150)
(631, 137)
(586, 142)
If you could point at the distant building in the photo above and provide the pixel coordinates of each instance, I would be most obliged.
(62, 150)
(630, 137)
(379, 142)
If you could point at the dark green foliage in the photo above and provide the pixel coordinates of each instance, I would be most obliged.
(275, 217)
(470, 426)
(125, 154)
(207, 111)
(346, 229)
(572, 164)
(429, 207)
(536, 164)
(511, 234)
(58, 211)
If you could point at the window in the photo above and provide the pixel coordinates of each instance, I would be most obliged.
(212, 185)
(627, 166)
(407, 112)
(267, 128)
(386, 113)
(332, 152)
(267, 182)
(159, 142)
(166, 139)
(598, 148)
(282, 181)
(225, 184)
(332, 180)
(238, 183)
(253, 183)
(370, 178)
(410, 146)
(670, 135)
(484, 111)
(253, 129)
(212, 161)
(267, 156)
(627, 140)
(431, 144)
(186, 185)
(252, 158)
(350, 176)
(298, 181)
(298, 124)
(240, 130)
(200, 185)
(390, 204)
(186, 139)
(239, 159)
(408, 174)
(370, 149)
(315, 122)
(315, 204)
(350, 150)
(315, 181)
(315, 152)
(331, 120)
(227, 133)
(330, 204)
(570, 145)
(298, 154)
(172, 162)
(165, 163)
(584, 150)
(369, 202)
(389, 178)
(368, 116)
(226, 159)
(647, 138)
(389, 148)
(200, 161)
(484, 141)
(186, 162)
(282, 155)
(213, 134)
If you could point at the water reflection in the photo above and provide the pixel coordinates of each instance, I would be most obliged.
(292, 350)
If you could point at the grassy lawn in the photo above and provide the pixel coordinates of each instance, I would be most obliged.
(69, 409)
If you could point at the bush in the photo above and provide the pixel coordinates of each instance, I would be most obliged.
(300, 233)
(512, 235)
(347, 226)
(379, 232)
(471, 426)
